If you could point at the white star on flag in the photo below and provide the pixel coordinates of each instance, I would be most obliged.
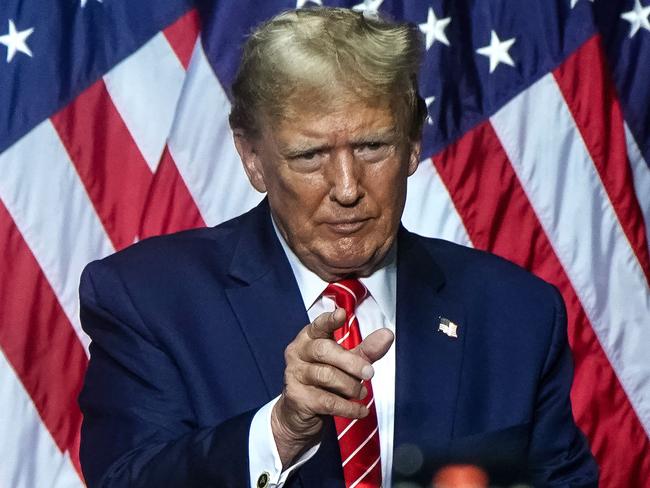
(497, 51)
(15, 41)
(637, 18)
(429, 101)
(434, 29)
(84, 2)
(575, 2)
(369, 6)
(302, 3)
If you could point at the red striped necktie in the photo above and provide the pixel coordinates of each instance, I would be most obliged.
(358, 438)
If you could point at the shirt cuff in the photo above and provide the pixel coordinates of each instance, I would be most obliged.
(263, 457)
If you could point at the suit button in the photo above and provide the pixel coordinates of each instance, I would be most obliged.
(263, 480)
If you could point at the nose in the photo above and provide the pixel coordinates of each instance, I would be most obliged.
(344, 177)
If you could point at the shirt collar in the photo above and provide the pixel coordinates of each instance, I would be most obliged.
(382, 284)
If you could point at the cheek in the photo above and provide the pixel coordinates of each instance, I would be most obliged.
(294, 187)
(387, 188)
(298, 198)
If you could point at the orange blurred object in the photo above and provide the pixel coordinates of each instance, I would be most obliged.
(461, 476)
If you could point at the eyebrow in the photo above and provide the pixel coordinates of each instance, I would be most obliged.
(299, 148)
(383, 135)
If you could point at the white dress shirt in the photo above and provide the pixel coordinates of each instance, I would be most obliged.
(375, 312)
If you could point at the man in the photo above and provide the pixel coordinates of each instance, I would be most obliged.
(313, 341)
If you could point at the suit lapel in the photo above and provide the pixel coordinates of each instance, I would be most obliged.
(428, 362)
(269, 308)
(266, 298)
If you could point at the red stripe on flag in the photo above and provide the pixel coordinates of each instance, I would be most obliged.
(108, 161)
(170, 206)
(500, 219)
(182, 36)
(38, 340)
(589, 92)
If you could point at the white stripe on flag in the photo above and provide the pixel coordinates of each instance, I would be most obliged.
(641, 176)
(551, 160)
(29, 456)
(201, 145)
(50, 206)
(145, 88)
(429, 209)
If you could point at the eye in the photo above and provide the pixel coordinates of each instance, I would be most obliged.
(307, 161)
(307, 156)
(372, 146)
(373, 151)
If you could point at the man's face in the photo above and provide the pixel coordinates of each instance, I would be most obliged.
(336, 184)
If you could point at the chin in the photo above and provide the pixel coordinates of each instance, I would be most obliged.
(343, 262)
(334, 259)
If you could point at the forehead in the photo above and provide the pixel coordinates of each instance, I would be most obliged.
(339, 121)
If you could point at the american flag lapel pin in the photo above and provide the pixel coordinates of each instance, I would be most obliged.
(447, 327)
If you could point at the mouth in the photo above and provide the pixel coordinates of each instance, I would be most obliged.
(345, 227)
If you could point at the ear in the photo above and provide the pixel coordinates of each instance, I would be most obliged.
(246, 147)
(414, 156)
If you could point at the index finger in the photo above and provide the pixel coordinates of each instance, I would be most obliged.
(326, 323)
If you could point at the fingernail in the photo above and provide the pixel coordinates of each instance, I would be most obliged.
(364, 392)
(367, 372)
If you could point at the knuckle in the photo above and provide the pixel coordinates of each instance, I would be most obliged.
(294, 374)
(324, 375)
(315, 327)
(330, 403)
(289, 351)
(320, 350)
(291, 391)
(289, 375)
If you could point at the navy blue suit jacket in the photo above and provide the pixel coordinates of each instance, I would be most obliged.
(188, 334)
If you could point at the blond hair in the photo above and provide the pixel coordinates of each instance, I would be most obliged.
(318, 57)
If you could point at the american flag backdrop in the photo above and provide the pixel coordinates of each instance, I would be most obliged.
(113, 128)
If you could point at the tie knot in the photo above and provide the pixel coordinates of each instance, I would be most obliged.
(347, 294)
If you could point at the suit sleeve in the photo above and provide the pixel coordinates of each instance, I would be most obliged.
(559, 454)
(139, 428)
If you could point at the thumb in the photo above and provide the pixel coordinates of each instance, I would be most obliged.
(373, 347)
